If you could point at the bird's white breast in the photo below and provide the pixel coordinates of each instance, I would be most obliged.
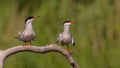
(29, 30)
(66, 36)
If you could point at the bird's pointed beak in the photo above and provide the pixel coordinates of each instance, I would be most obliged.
(35, 17)
(72, 22)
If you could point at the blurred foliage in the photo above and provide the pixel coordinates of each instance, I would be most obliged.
(97, 31)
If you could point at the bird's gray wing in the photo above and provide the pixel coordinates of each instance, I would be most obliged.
(59, 38)
(73, 42)
(21, 35)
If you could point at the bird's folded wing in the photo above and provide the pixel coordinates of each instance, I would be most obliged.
(19, 33)
(59, 38)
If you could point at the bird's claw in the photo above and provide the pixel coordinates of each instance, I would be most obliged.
(69, 51)
(27, 45)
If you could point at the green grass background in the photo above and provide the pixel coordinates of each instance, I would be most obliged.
(96, 31)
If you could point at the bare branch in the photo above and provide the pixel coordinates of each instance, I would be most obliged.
(43, 49)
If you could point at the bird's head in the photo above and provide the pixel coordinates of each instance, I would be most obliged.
(68, 23)
(31, 18)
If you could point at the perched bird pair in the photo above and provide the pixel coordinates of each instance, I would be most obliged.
(28, 35)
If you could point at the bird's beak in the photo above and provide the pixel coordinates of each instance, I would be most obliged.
(72, 22)
(35, 17)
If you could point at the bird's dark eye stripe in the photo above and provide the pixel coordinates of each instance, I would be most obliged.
(30, 17)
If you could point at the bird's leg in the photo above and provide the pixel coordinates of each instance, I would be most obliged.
(30, 43)
(25, 44)
(68, 46)
(62, 44)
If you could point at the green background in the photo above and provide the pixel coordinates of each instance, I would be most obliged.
(96, 31)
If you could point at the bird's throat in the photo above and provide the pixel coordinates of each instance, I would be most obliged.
(29, 26)
(67, 28)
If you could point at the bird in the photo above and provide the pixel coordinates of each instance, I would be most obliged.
(66, 38)
(28, 34)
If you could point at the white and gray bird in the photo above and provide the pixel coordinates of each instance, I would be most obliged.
(28, 33)
(65, 38)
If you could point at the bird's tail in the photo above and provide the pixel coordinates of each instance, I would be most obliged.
(73, 48)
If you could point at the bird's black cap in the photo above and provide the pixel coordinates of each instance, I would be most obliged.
(30, 17)
(66, 22)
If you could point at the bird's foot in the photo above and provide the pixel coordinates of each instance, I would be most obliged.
(27, 45)
(69, 51)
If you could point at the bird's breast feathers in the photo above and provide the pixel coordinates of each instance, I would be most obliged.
(28, 32)
(66, 35)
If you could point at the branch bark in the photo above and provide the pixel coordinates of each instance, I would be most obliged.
(43, 49)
